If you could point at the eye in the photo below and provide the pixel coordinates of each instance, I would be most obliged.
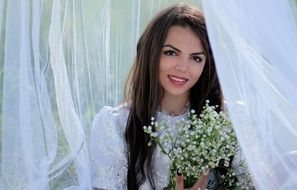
(170, 53)
(197, 58)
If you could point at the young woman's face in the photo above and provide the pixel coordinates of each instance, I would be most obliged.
(182, 61)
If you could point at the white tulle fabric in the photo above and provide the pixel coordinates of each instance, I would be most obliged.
(108, 149)
(254, 46)
(61, 62)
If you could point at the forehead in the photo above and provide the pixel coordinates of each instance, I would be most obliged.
(183, 37)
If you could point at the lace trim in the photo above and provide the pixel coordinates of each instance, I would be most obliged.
(111, 176)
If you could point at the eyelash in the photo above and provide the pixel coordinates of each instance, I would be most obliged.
(195, 57)
(173, 53)
(170, 53)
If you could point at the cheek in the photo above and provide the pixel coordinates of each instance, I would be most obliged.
(197, 71)
(163, 68)
(165, 65)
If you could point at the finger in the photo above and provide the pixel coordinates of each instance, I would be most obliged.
(179, 181)
(201, 182)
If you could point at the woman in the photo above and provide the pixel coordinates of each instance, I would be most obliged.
(173, 72)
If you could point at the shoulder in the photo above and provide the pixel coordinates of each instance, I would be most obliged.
(108, 127)
(111, 116)
(114, 113)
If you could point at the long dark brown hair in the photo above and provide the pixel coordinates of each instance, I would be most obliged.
(144, 92)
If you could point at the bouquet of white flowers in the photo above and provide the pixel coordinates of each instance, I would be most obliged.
(201, 144)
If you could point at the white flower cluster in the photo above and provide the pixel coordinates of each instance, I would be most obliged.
(200, 144)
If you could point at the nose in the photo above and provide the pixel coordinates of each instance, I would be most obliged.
(182, 65)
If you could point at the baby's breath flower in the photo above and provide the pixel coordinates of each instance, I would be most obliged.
(212, 164)
(226, 163)
(201, 143)
(149, 129)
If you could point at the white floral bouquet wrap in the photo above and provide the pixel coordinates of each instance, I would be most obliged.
(200, 145)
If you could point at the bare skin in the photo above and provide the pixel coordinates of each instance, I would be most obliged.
(181, 64)
(200, 183)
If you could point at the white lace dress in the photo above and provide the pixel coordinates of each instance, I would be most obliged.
(108, 150)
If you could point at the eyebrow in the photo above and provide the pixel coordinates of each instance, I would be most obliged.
(176, 49)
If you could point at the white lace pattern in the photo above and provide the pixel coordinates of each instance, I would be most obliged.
(108, 150)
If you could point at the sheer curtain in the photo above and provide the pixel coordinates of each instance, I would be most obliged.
(254, 45)
(61, 61)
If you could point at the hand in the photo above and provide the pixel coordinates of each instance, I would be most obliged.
(199, 184)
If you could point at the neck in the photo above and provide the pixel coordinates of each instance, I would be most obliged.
(174, 105)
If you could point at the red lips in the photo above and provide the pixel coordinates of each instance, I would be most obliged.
(177, 81)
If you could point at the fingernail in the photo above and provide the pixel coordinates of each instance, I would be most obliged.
(177, 172)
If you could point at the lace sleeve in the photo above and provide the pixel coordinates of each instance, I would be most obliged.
(107, 152)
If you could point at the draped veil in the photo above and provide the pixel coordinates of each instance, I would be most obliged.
(254, 46)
